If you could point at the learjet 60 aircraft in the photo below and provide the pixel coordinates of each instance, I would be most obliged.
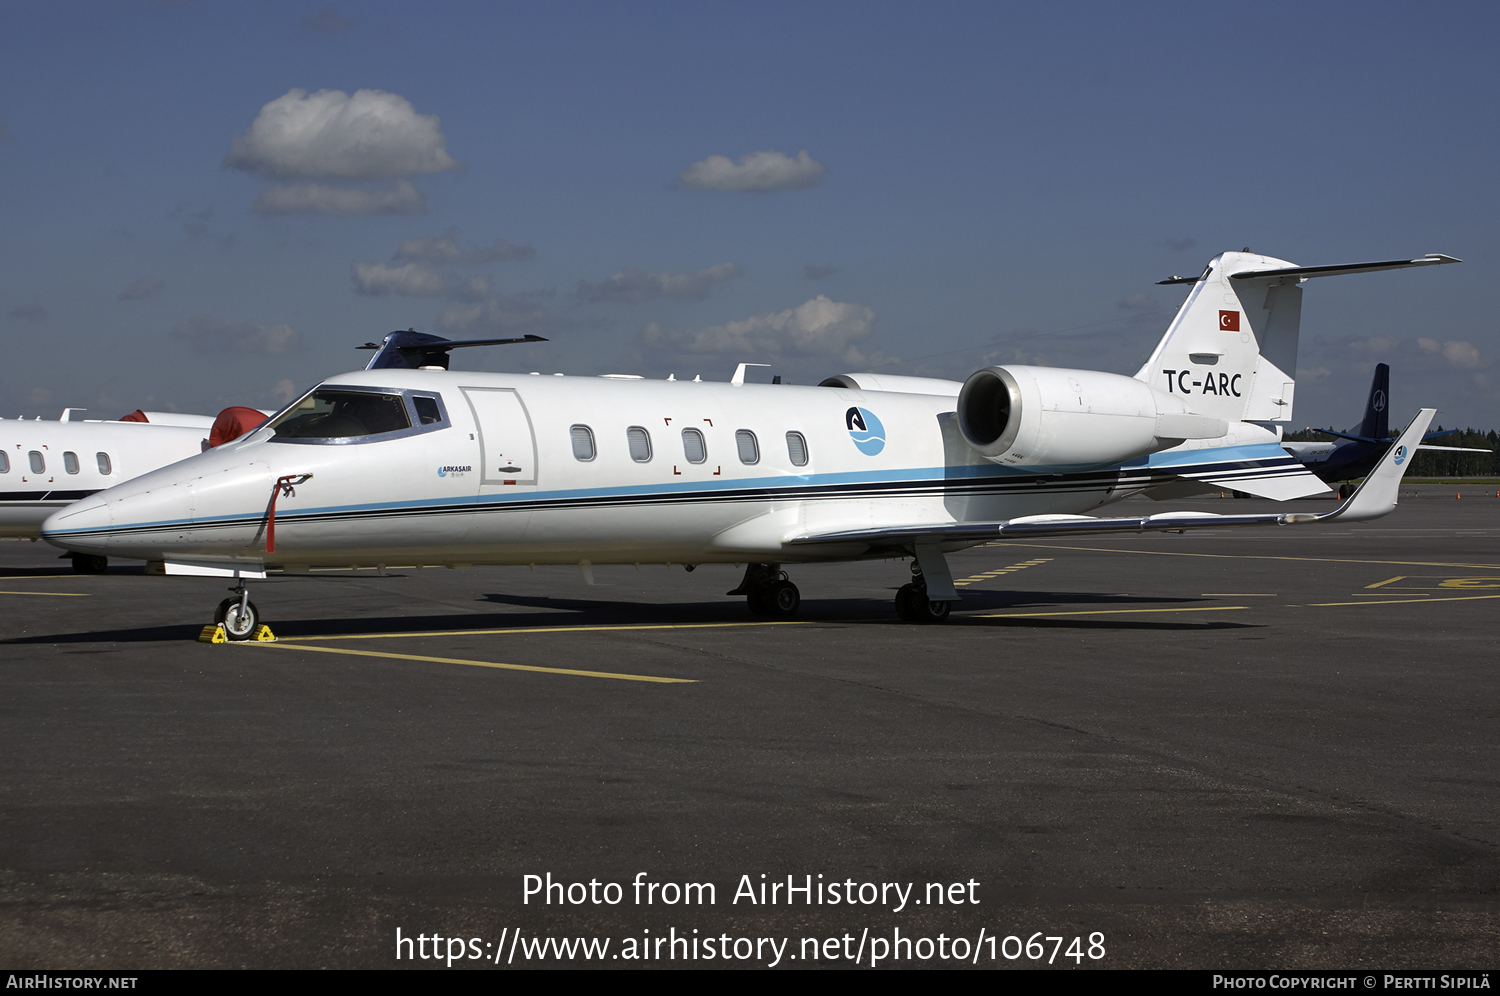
(408, 462)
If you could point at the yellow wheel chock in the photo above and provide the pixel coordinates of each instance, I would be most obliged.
(214, 633)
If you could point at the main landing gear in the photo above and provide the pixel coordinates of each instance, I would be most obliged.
(88, 563)
(767, 591)
(912, 603)
(238, 616)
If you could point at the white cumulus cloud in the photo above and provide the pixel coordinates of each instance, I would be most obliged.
(816, 328)
(218, 335)
(415, 280)
(631, 285)
(332, 135)
(447, 251)
(319, 198)
(1457, 352)
(756, 172)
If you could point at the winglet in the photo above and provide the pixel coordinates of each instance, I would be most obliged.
(1376, 495)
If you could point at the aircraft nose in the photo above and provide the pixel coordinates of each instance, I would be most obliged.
(82, 527)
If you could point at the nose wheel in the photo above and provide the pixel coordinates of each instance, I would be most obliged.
(238, 616)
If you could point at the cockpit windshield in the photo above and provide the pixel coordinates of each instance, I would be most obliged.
(342, 414)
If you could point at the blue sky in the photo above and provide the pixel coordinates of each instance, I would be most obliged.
(982, 183)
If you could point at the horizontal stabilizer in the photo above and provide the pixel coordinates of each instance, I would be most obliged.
(1431, 259)
(1280, 485)
(412, 350)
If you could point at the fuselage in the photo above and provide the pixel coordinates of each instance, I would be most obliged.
(1340, 460)
(514, 469)
(49, 465)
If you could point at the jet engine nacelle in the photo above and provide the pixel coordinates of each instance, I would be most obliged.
(1045, 416)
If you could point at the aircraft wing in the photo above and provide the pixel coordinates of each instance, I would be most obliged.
(1456, 449)
(1375, 497)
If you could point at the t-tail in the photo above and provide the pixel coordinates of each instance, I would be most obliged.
(1231, 351)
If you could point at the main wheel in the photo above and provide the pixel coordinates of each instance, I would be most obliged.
(237, 626)
(755, 598)
(782, 598)
(1345, 490)
(933, 612)
(904, 602)
(88, 563)
(913, 605)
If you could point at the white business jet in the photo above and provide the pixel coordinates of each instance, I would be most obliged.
(408, 462)
(48, 465)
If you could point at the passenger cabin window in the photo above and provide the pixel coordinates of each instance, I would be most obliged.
(70, 462)
(4, 463)
(693, 446)
(749, 449)
(105, 467)
(343, 415)
(796, 448)
(640, 443)
(583, 442)
(38, 465)
(427, 410)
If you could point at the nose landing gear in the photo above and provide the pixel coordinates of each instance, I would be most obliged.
(767, 591)
(239, 616)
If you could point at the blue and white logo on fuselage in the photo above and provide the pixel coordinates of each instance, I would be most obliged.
(865, 429)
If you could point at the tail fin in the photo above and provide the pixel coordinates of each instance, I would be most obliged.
(1376, 424)
(1232, 349)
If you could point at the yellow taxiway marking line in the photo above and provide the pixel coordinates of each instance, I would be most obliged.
(1404, 601)
(546, 629)
(1108, 612)
(1236, 556)
(990, 575)
(503, 667)
(55, 594)
(1382, 584)
(37, 577)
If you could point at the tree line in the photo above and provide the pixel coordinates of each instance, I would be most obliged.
(1436, 463)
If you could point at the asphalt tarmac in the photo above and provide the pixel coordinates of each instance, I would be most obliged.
(1253, 748)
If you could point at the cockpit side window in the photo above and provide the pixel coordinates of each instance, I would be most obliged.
(342, 414)
(427, 409)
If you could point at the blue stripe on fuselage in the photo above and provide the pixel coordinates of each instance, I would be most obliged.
(916, 477)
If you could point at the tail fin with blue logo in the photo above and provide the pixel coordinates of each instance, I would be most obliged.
(1376, 424)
